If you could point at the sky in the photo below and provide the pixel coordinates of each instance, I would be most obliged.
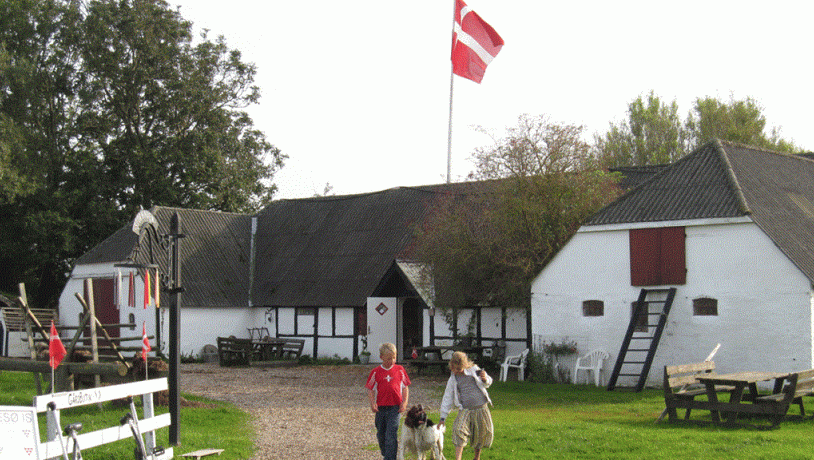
(357, 93)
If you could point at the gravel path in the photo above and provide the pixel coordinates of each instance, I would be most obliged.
(305, 411)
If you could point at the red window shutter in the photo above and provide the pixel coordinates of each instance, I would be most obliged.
(644, 257)
(657, 256)
(673, 260)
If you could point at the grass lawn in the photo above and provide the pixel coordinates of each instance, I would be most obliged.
(532, 421)
(217, 425)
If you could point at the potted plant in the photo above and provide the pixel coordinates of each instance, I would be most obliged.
(364, 356)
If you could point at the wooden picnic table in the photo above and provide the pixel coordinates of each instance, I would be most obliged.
(738, 401)
(434, 355)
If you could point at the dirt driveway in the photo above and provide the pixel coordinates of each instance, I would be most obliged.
(305, 411)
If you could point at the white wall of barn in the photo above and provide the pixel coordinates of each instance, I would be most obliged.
(490, 327)
(765, 304)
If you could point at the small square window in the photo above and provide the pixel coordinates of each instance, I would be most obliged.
(593, 308)
(705, 306)
(306, 311)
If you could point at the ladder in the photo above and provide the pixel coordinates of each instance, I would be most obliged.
(642, 338)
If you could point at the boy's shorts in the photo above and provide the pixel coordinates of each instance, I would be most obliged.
(475, 426)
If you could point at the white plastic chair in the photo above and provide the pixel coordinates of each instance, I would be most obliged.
(516, 361)
(592, 362)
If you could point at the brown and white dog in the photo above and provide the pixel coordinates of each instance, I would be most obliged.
(420, 435)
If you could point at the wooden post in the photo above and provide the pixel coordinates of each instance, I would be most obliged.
(102, 328)
(94, 341)
(23, 299)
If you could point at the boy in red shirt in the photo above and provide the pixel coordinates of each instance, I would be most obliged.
(388, 395)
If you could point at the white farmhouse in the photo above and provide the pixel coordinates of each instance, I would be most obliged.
(731, 228)
(317, 269)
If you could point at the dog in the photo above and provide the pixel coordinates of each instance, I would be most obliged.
(420, 435)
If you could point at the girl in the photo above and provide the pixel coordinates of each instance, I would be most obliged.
(466, 389)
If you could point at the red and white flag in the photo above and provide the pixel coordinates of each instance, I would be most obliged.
(474, 43)
(56, 350)
(145, 342)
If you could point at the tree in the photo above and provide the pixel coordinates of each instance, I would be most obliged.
(107, 107)
(487, 240)
(654, 134)
(737, 121)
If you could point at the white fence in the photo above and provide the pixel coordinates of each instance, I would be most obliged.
(22, 424)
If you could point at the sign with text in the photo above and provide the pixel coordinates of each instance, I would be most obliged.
(20, 435)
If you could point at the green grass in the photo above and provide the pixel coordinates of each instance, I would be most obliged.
(532, 421)
(555, 421)
(218, 425)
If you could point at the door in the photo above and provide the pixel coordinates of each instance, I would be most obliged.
(413, 325)
(381, 324)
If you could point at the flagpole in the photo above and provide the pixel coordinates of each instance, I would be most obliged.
(451, 87)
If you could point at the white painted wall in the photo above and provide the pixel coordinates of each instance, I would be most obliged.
(490, 327)
(70, 308)
(765, 303)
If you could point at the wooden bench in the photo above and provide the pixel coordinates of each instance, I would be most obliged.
(233, 351)
(681, 386)
(776, 405)
(292, 348)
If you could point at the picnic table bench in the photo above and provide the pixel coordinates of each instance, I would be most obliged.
(238, 351)
(681, 387)
(434, 356)
(234, 351)
(792, 393)
(292, 348)
(789, 388)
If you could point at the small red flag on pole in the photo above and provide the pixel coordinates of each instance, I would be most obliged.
(56, 350)
(145, 342)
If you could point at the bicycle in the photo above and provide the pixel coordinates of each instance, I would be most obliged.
(70, 431)
(140, 452)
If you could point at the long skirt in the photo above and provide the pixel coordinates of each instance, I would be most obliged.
(475, 426)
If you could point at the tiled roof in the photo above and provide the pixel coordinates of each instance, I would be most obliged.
(215, 251)
(333, 251)
(723, 179)
(324, 251)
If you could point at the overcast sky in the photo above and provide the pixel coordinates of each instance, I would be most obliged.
(356, 93)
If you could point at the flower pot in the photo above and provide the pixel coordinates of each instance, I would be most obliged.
(364, 358)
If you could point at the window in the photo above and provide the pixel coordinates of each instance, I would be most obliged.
(305, 321)
(705, 306)
(657, 256)
(305, 311)
(593, 308)
(642, 320)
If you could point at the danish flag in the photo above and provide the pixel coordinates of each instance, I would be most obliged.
(56, 350)
(145, 342)
(474, 43)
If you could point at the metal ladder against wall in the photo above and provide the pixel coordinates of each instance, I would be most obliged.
(639, 347)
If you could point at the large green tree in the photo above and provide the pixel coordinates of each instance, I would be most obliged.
(109, 106)
(653, 133)
(536, 185)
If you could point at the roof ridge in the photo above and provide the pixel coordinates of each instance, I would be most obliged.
(732, 177)
(215, 211)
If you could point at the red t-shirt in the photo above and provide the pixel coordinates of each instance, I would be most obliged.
(387, 383)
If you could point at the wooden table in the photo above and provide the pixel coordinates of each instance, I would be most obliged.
(268, 348)
(434, 355)
(738, 401)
